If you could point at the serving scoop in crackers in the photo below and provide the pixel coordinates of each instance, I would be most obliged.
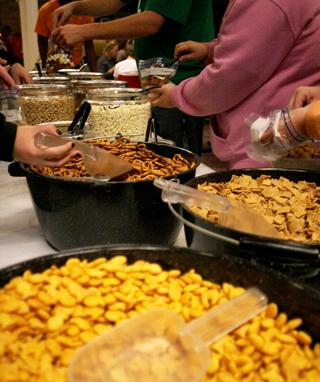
(98, 162)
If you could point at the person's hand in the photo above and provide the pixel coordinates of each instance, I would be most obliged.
(312, 120)
(68, 35)
(191, 50)
(61, 15)
(304, 95)
(20, 75)
(4, 75)
(26, 150)
(296, 117)
(162, 96)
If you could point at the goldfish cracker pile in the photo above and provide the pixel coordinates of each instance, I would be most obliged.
(120, 356)
(45, 317)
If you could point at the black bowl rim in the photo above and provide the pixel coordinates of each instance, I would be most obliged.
(227, 231)
(20, 267)
(59, 259)
(91, 180)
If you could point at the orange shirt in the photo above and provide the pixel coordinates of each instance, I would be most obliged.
(44, 26)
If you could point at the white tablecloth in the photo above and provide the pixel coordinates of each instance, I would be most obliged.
(20, 234)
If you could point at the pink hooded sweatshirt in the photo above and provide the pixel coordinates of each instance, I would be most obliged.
(265, 50)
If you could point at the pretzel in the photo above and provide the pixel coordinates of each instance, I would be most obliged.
(147, 165)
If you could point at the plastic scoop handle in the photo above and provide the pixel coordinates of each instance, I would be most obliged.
(54, 141)
(177, 193)
(158, 346)
(227, 317)
(98, 162)
(234, 215)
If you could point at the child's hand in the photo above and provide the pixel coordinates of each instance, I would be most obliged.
(4, 75)
(162, 96)
(191, 50)
(304, 95)
(20, 75)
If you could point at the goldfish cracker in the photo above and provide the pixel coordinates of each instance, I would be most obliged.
(48, 315)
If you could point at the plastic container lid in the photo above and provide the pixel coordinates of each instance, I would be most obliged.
(35, 73)
(76, 75)
(38, 89)
(29, 88)
(116, 93)
(51, 80)
(100, 83)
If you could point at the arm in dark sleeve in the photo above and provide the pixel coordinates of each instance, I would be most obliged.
(7, 138)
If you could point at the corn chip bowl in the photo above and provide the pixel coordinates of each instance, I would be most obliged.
(51, 306)
(269, 192)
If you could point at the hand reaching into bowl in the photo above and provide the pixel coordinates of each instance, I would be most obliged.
(25, 149)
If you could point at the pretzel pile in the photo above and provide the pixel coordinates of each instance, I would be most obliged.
(147, 164)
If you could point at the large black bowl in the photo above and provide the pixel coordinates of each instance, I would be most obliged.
(293, 298)
(293, 258)
(77, 213)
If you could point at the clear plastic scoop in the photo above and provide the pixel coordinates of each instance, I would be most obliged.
(232, 214)
(158, 346)
(98, 162)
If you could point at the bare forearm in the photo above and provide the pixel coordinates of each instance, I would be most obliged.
(138, 25)
(97, 7)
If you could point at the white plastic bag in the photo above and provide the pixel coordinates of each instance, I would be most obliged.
(273, 136)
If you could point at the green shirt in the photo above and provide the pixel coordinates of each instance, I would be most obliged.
(185, 20)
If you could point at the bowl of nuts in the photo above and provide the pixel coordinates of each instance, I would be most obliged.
(119, 110)
(40, 103)
(76, 210)
(51, 306)
(287, 199)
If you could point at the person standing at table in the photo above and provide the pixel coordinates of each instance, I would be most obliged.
(156, 28)
(44, 27)
(128, 66)
(264, 50)
(108, 59)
